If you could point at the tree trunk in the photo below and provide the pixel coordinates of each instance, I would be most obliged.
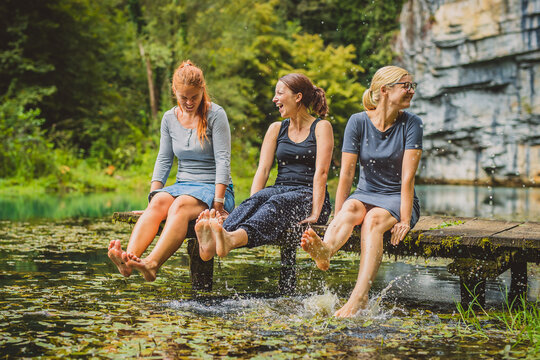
(151, 88)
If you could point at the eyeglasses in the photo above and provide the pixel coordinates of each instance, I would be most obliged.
(406, 85)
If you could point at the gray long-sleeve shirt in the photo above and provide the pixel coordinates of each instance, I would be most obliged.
(209, 164)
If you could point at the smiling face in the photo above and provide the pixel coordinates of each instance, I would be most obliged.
(286, 101)
(189, 97)
(399, 95)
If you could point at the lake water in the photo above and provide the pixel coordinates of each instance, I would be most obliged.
(520, 204)
(61, 296)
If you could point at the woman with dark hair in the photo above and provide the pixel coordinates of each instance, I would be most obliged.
(197, 132)
(386, 142)
(302, 145)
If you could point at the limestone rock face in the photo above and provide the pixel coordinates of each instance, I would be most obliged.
(477, 64)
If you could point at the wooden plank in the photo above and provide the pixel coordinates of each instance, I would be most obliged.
(471, 232)
(433, 230)
(526, 235)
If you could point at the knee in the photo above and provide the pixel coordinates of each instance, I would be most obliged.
(160, 202)
(374, 222)
(177, 207)
(353, 210)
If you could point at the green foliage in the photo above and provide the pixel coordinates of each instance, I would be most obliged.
(75, 75)
(332, 69)
(369, 25)
(25, 151)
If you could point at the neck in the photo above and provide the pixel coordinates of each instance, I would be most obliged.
(385, 116)
(301, 118)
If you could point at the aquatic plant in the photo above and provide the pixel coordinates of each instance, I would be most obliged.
(519, 322)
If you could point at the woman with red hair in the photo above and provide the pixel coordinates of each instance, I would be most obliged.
(197, 132)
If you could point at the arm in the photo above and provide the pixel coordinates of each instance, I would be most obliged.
(325, 144)
(268, 151)
(411, 158)
(164, 160)
(346, 177)
(221, 137)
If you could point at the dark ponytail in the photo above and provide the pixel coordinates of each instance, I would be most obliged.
(319, 104)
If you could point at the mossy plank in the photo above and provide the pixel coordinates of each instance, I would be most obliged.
(526, 235)
(441, 236)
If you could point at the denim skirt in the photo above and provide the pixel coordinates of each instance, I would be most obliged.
(201, 191)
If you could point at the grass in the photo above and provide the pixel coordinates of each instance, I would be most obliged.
(519, 320)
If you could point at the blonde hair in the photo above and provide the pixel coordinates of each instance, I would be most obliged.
(384, 76)
(189, 74)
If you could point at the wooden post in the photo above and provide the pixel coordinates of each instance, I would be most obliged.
(202, 272)
(287, 273)
(518, 284)
(472, 288)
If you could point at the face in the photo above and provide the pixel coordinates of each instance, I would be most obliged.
(286, 101)
(399, 94)
(189, 97)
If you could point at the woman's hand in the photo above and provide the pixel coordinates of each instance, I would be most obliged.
(311, 219)
(399, 231)
(218, 206)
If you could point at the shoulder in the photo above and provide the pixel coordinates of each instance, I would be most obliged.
(356, 121)
(168, 116)
(323, 126)
(169, 112)
(216, 112)
(358, 117)
(411, 118)
(275, 127)
(216, 109)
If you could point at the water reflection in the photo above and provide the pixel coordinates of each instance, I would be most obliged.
(518, 204)
(72, 205)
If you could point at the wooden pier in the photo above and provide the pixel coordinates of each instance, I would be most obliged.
(481, 249)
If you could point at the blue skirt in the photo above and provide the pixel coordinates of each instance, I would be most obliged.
(201, 191)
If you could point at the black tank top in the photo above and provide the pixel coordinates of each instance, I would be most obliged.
(296, 161)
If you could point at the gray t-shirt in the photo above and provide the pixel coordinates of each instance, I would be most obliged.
(207, 164)
(380, 157)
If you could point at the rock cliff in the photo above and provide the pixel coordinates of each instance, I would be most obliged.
(477, 64)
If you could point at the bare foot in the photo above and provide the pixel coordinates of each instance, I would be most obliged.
(147, 269)
(222, 238)
(207, 245)
(115, 254)
(352, 307)
(316, 248)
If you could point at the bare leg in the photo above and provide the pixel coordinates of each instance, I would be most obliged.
(337, 234)
(143, 233)
(147, 226)
(184, 209)
(376, 223)
(226, 241)
(207, 244)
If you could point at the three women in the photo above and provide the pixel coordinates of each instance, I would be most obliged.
(385, 140)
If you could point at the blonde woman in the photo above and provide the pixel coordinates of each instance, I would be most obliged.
(386, 142)
(197, 132)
